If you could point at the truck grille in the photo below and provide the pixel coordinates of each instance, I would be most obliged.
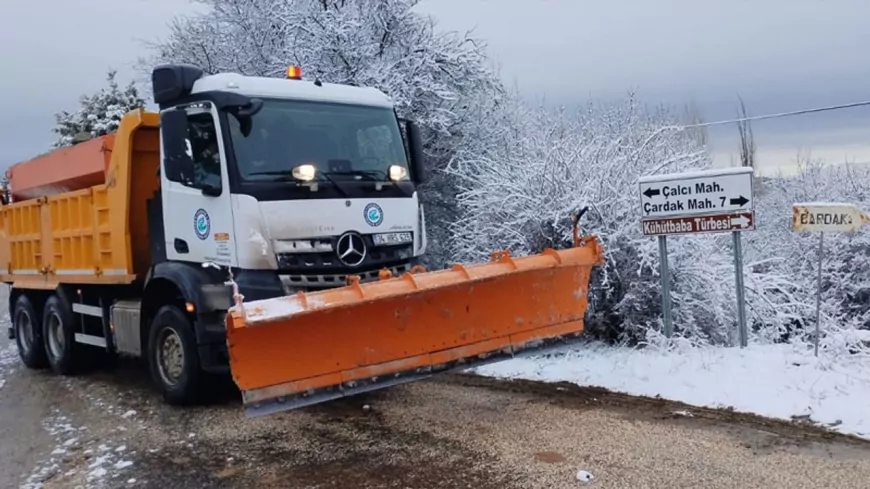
(328, 280)
(327, 263)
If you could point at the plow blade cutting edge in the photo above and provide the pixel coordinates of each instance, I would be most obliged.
(308, 348)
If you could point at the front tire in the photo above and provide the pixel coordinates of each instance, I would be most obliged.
(28, 334)
(58, 333)
(173, 358)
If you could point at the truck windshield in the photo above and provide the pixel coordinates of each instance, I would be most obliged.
(346, 142)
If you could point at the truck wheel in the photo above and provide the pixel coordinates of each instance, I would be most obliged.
(28, 334)
(173, 358)
(59, 336)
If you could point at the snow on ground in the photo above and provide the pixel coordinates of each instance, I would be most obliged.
(778, 381)
(8, 359)
(80, 459)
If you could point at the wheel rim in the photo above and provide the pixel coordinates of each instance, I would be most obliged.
(56, 339)
(24, 331)
(170, 357)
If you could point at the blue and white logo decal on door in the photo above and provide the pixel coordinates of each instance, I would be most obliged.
(201, 224)
(373, 214)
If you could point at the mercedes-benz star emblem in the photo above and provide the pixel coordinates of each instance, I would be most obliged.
(351, 249)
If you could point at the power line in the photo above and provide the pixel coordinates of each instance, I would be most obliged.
(778, 115)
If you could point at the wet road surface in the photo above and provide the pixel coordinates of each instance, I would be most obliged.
(108, 429)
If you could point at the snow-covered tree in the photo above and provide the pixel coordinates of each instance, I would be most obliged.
(507, 175)
(440, 79)
(529, 168)
(98, 114)
(4, 189)
(534, 167)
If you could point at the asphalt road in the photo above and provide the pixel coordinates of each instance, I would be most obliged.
(107, 429)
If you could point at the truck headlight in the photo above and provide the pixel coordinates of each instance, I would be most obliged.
(390, 239)
(305, 172)
(397, 172)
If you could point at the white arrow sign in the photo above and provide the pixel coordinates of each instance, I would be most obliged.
(740, 221)
(695, 193)
(828, 217)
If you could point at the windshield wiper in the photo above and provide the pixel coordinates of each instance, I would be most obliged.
(289, 173)
(333, 182)
(377, 176)
(274, 172)
(370, 175)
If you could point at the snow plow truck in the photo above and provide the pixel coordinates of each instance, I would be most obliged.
(269, 228)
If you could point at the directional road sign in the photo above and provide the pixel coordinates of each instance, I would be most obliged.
(711, 201)
(696, 193)
(828, 217)
(712, 223)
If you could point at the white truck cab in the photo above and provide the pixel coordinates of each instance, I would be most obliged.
(291, 184)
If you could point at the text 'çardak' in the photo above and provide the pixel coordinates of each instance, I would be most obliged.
(828, 217)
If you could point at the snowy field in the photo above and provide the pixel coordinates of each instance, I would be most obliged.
(778, 381)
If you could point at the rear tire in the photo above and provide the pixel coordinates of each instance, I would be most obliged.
(173, 358)
(28, 334)
(58, 333)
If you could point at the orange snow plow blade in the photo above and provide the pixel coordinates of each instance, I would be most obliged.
(308, 348)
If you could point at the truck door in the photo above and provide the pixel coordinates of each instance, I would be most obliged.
(197, 210)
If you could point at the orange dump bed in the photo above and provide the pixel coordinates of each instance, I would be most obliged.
(63, 170)
(72, 221)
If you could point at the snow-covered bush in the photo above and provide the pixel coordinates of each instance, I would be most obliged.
(98, 114)
(439, 79)
(534, 167)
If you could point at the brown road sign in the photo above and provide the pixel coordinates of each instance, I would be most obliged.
(711, 223)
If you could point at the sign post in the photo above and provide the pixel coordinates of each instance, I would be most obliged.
(738, 283)
(703, 202)
(819, 295)
(665, 274)
(822, 217)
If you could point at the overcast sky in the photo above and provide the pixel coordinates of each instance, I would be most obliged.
(779, 55)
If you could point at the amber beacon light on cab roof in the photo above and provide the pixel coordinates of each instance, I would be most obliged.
(269, 228)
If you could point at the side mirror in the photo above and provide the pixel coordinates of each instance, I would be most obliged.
(244, 113)
(210, 190)
(177, 160)
(415, 143)
(251, 109)
(211, 186)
